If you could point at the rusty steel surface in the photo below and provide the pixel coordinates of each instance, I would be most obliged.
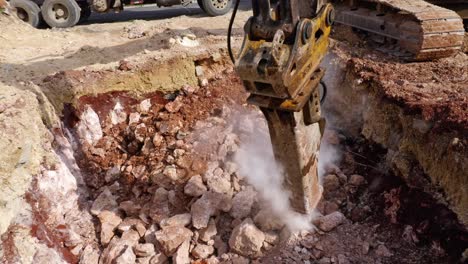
(425, 30)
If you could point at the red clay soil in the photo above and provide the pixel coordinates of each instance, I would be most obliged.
(436, 90)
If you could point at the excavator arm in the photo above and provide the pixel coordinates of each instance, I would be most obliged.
(278, 63)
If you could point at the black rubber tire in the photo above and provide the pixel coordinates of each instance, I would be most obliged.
(216, 7)
(27, 11)
(69, 15)
(85, 13)
(200, 4)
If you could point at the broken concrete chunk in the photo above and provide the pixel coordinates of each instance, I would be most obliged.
(202, 251)
(207, 206)
(89, 128)
(144, 250)
(133, 118)
(117, 115)
(130, 208)
(126, 257)
(242, 203)
(329, 222)
(109, 221)
(176, 220)
(160, 209)
(220, 184)
(144, 106)
(172, 237)
(195, 186)
(171, 172)
(174, 106)
(105, 201)
(90, 254)
(182, 254)
(246, 239)
(208, 233)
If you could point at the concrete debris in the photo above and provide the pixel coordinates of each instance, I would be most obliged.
(89, 128)
(160, 209)
(202, 251)
(126, 257)
(195, 186)
(242, 203)
(329, 222)
(118, 114)
(105, 201)
(172, 237)
(109, 221)
(208, 233)
(144, 250)
(174, 106)
(176, 220)
(246, 239)
(134, 118)
(207, 206)
(90, 254)
(182, 254)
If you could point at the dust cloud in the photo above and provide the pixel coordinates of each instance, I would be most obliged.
(257, 163)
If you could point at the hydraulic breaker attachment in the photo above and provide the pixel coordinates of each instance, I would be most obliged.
(279, 66)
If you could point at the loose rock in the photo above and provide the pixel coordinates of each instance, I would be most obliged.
(242, 203)
(329, 222)
(182, 254)
(207, 206)
(172, 237)
(109, 221)
(195, 186)
(246, 239)
(202, 251)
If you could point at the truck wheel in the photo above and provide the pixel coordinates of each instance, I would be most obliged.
(216, 7)
(61, 13)
(85, 13)
(200, 4)
(27, 11)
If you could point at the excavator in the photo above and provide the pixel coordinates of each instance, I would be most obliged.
(279, 65)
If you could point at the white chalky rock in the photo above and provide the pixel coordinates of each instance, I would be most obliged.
(127, 257)
(144, 106)
(133, 118)
(246, 239)
(220, 184)
(109, 221)
(118, 115)
(202, 251)
(176, 220)
(208, 233)
(207, 206)
(242, 203)
(105, 201)
(182, 254)
(89, 128)
(195, 186)
(170, 238)
(144, 250)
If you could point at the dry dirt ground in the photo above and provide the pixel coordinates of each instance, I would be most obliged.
(110, 156)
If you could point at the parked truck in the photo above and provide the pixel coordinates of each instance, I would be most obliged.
(67, 13)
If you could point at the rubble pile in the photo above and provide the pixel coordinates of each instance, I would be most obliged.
(165, 187)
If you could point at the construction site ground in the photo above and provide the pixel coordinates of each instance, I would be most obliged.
(127, 142)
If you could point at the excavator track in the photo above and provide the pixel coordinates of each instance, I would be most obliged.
(424, 30)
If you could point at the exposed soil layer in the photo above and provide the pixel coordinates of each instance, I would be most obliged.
(386, 221)
(437, 90)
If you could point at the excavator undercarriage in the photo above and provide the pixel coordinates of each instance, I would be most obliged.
(422, 31)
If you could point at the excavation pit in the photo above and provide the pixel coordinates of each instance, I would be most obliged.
(152, 147)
